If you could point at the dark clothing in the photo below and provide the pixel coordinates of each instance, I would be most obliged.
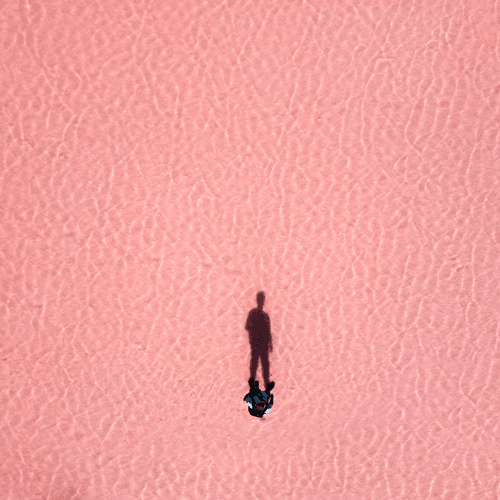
(258, 326)
(259, 402)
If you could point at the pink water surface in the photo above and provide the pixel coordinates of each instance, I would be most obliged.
(163, 161)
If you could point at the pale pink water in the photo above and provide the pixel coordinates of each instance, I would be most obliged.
(164, 161)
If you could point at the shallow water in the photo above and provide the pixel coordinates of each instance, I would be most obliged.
(165, 161)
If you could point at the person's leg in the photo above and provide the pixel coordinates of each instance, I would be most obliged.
(264, 357)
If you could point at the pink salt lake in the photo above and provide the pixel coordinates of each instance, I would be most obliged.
(164, 161)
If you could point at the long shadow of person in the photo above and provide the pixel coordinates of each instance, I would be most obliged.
(258, 326)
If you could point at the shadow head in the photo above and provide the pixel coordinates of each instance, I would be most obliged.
(261, 298)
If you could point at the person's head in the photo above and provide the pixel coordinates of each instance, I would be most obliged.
(260, 406)
(261, 297)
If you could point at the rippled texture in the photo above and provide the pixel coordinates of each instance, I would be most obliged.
(162, 162)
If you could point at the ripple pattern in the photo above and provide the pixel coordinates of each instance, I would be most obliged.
(164, 161)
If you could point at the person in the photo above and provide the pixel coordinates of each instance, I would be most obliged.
(258, 326)
(259, 402)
